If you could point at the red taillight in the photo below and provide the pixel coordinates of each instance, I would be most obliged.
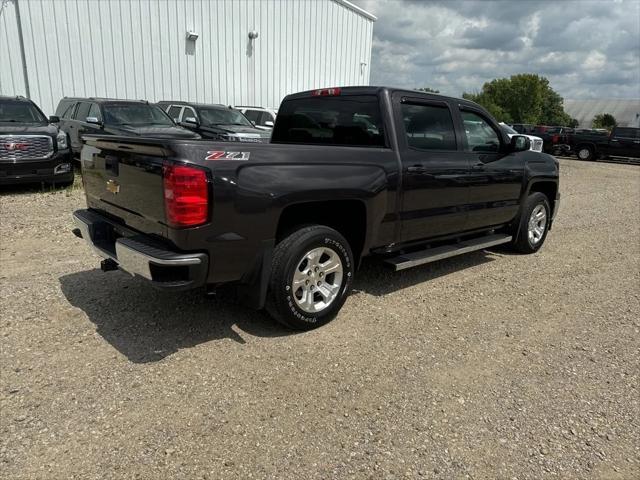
(555, 138)
(326, 92)
(186, 195)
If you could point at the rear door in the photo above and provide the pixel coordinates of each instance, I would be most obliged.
(496, 177)
(434, 169)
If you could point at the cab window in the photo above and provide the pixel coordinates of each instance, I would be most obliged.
(252, 115)
(94, 111)
(428, 127)
(174, 112)
(353, 120)
(188, 112)
(481, 137)
(83, 111)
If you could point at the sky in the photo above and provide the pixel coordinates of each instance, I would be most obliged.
(586, 48)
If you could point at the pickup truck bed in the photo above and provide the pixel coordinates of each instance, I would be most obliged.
(350, 172)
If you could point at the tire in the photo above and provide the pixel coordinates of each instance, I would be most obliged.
(302, 300)
(585, 153)
(533, 225)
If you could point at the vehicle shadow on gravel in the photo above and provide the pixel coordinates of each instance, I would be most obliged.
(375, 278)
(147, 325)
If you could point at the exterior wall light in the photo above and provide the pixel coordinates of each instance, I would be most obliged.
(192, 36)
(253, 34)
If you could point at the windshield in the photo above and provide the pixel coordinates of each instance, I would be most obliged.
(223, 116)
(508, 129)
(20, 112)
(136, 114)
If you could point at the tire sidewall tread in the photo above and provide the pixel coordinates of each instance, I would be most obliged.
(280, 303)
(522, 243)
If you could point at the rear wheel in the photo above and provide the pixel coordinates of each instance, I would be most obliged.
(585, 153)
(311, 277)
(534, 224)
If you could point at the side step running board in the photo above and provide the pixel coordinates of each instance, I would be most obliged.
(421, 257)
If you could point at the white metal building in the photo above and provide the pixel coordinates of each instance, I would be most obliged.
(625, 110)
(147, 49)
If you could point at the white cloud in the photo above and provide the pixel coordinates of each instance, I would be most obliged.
(585, 48)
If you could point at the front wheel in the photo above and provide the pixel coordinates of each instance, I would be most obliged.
(311, 276)
(533, 225)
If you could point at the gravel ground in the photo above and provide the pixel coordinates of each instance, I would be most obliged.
(487, 366)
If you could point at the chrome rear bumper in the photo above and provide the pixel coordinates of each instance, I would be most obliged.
(139, 255)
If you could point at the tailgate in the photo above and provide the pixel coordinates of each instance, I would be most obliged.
(123, 178)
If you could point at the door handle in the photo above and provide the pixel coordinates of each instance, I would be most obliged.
(416, 169)
(478, 166)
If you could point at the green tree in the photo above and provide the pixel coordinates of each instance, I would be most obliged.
(573, 123)
(495, 110)
(427, 90)
(604, 120)
(522, 98)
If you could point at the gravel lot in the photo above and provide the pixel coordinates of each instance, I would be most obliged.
(487, 366)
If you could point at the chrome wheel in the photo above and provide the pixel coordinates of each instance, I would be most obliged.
(584, 153)
(317, 279)
(537, 224)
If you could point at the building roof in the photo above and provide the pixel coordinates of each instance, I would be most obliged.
(625, 110)
(357, 9)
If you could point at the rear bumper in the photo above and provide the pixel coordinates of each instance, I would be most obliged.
(58, 168)
(141, 256)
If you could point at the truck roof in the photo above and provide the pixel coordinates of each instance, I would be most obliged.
(193, 104)
(376, 90)
(104, 100)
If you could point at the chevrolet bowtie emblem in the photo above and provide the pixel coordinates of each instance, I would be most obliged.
(113, 186)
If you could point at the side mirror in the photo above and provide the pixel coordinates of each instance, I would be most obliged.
(520, 143)
(54, 119)
(94, 121)
(189, 122)
(268, 123)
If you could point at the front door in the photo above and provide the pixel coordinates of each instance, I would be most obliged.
(624, 142)
(434, 170)
(495, 181)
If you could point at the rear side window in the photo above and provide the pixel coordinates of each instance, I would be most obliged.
(626, 132)
(63, 106)
(68, 112)
(481, 137)
(174, 112)
(353, 120)
(83, 111)
(428, 127)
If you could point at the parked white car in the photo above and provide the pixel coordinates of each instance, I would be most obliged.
(536, 142)
(262, 118)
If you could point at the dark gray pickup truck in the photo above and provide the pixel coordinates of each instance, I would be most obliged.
(405, 176)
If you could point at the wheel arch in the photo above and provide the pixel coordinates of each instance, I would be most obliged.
(347, 216)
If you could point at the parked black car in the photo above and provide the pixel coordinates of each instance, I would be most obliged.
(216, 122)
(32, 147)
(592, 144)
(105, 116)
(289, 221)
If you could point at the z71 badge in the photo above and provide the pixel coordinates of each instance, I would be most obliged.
(211, 155)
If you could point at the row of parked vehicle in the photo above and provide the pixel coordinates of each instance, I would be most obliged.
(34, 148)
(586, 144)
